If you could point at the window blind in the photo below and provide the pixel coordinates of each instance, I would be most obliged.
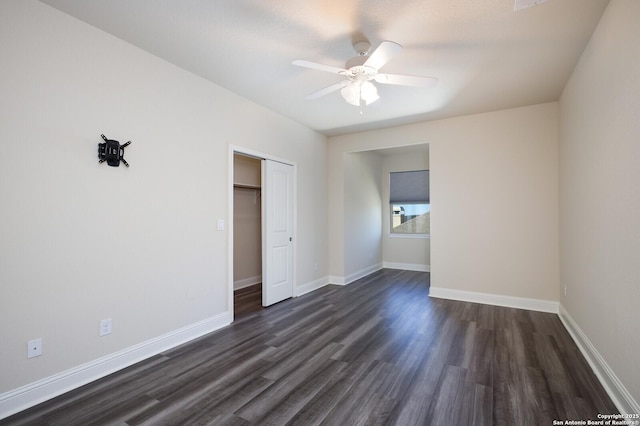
(409, 187)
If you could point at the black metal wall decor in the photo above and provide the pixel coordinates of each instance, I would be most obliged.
(112, 152)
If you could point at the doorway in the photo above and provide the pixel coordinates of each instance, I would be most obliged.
(247, 235)
(262, 225)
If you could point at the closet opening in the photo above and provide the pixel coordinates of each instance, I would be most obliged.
(247, 235)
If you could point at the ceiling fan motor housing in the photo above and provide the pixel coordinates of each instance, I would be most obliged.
(362, 47)
(357, 70)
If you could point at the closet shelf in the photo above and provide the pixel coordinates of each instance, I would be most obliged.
(245, 186)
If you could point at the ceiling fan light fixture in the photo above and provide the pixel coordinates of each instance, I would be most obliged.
(369, 92)
(351, 93)
(360, 90)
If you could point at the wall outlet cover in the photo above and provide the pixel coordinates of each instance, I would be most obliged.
(105, 327)
(34, 348)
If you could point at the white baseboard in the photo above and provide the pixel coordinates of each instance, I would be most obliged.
(42, 390)
(407, 266)
(495, 299)
(612, 385)
(310, 286)
(247, 282)
(336, 280)
(355, 275)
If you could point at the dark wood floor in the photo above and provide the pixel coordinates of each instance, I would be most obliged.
(247, 300)
(378, 351)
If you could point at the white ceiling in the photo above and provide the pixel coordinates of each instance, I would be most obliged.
(487, 57)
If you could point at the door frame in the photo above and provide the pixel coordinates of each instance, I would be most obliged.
(235, 149)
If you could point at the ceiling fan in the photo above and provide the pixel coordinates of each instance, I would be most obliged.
(358, 89)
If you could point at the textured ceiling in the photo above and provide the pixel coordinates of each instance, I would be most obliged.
(487, 56)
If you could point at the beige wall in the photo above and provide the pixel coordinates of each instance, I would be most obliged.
(247, 221)
(362, 237)
(402, 251)
(82, 241)
(494, 195)
(600, 199)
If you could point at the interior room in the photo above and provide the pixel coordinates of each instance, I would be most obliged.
(262, 140)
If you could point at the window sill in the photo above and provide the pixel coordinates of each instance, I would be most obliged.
(409, 236)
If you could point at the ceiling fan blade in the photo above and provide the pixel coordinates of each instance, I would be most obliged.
(406, 80)
(320, 67)
(383, 54)
(328, 89)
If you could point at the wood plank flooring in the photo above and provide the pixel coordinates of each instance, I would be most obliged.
(378, 351)
(247, 300)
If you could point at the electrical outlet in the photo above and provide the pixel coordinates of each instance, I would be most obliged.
(105, 327)
(34, 348)
(565, 290)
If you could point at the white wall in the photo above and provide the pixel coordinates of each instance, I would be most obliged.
(82, 241)
(362, 214)
(494, 194)
(402, 252)
(600, 196)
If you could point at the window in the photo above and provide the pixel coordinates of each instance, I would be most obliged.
(410, 210)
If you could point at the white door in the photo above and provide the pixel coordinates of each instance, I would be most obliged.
(277, 222)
